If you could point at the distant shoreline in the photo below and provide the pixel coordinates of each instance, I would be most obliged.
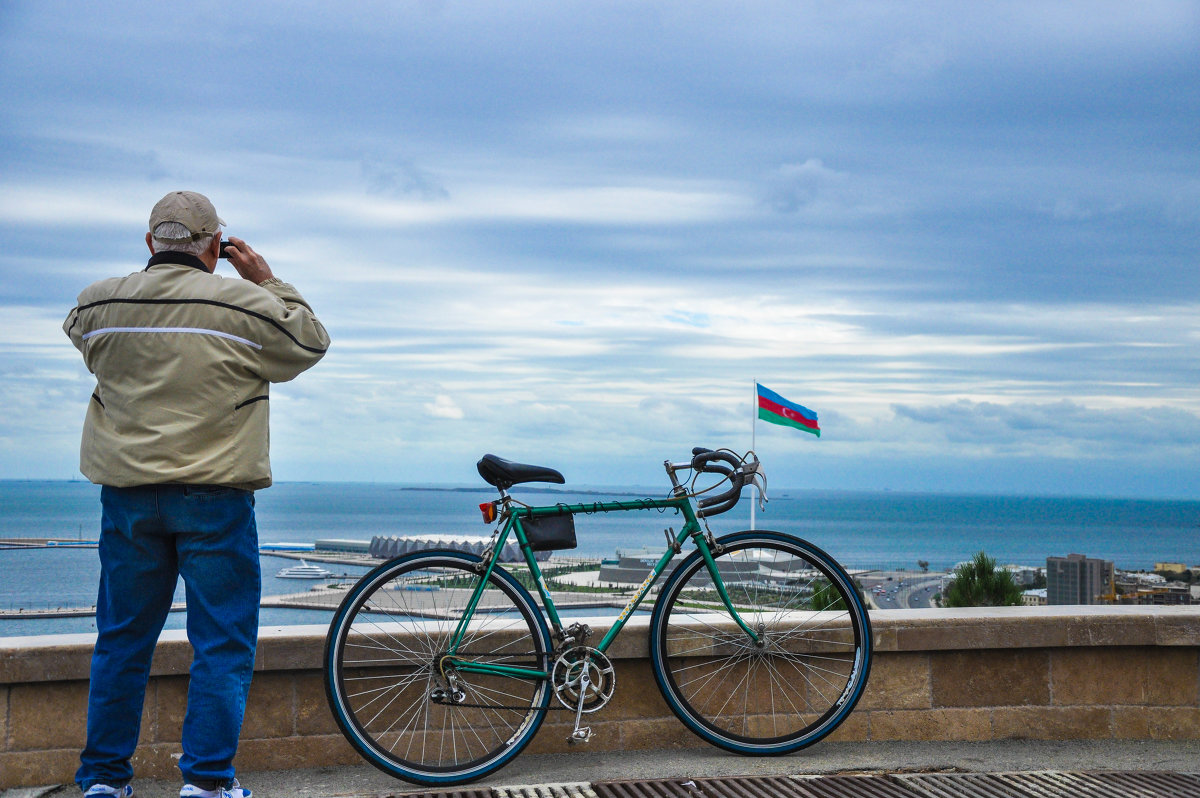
(626, 490)
(527, 489)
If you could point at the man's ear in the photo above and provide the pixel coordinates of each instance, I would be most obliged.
(150, 243)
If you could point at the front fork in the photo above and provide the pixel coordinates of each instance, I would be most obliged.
(707, 552)
(710, 548)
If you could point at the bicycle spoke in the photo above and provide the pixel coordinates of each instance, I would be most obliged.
(784, 687)
(397, 652)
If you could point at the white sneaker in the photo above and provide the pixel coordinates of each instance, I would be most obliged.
(234, 791)
(104, 791)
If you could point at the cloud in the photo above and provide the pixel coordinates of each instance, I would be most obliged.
(531, 204)
(401, 179)
(1065, 427)
(584, 229)
(802, 186)
(444, 407)
(58, 205)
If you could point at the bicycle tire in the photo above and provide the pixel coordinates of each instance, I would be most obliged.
(800, 684)
(381, 669)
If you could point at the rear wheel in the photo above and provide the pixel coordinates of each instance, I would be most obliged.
(406, 708)
(798, 681)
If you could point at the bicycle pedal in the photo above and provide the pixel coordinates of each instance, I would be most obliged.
(580, 735)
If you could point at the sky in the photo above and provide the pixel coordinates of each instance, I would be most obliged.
(576, 233)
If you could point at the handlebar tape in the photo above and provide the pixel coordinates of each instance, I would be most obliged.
(704, 461)
(708, 512)
(729, 467)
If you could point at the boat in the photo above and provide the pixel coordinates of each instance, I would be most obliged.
(303, 571)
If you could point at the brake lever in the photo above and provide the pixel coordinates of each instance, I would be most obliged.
(757, 477)
(761, 484)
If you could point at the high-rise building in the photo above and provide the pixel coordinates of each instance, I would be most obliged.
(1077, 579)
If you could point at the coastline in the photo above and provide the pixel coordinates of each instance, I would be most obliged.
(47, 543)
(48, 531)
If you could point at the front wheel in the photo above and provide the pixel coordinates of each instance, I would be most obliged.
(395, 690)
(792, 685)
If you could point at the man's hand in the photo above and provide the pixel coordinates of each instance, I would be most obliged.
(249, 264)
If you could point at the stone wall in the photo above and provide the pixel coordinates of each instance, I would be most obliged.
(979, 674)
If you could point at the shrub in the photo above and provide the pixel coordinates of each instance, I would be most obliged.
(980, 583)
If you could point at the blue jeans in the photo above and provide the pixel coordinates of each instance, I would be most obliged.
(149, 537)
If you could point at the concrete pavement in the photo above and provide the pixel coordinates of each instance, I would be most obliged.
(363, 781)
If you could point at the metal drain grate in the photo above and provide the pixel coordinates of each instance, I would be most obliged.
(858, 786)
(1041, 784)
(740, 787)
(571, 790)
(1052, 784)
(1044, 784)
(469, 793)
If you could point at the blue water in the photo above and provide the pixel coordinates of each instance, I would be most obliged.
(861, 530)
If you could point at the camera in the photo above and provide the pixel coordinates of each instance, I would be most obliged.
(224, 249)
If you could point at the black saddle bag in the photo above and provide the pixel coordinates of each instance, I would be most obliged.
(550, 532)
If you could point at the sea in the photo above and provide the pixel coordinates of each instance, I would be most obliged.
(867, 530)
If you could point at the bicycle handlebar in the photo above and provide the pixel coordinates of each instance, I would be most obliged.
(729, 466)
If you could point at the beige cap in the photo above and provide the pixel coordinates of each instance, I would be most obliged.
(189, 209)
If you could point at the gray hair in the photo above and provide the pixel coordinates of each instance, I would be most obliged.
(161, 239)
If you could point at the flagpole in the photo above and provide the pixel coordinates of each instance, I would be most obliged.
(753, 446)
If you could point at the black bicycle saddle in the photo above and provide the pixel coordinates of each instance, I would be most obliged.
(503, 474)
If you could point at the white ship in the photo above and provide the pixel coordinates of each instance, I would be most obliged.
(303, 571)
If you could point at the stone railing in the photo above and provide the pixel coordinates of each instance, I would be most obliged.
(979, 674)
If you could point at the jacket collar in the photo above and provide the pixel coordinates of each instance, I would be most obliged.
(180, 258)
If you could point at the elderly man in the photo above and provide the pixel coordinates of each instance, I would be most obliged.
(176, 433)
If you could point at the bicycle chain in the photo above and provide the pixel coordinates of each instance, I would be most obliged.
(500, 706)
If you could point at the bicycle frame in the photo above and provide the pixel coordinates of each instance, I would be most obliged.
(512, 525)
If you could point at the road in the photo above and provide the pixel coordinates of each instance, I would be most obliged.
(903, 589)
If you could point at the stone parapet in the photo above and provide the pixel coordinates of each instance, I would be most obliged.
(974, 674)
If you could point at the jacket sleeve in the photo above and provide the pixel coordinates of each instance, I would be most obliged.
(73, 327)
(303, 341)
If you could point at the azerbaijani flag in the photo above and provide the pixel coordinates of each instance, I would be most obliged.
(774, 408)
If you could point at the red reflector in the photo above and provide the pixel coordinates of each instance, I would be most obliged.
(489, 512)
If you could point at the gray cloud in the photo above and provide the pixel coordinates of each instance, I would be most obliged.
(585, 229)
(1066, 425)
(402, 178)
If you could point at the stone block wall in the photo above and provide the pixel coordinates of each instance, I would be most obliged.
(979, 674)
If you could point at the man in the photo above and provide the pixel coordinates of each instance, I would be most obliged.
(176, 433)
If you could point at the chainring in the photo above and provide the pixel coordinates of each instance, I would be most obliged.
(568, 673)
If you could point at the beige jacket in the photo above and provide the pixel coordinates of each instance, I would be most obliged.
(183, 359)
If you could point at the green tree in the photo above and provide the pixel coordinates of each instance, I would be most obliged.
(979, 583)
(824, 597)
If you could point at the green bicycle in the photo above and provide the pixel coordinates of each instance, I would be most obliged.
(440, 667)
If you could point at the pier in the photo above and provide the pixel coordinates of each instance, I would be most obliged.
(47, 543)
(576, 583)
(330, 591)
(429, 605)
(65, 612)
